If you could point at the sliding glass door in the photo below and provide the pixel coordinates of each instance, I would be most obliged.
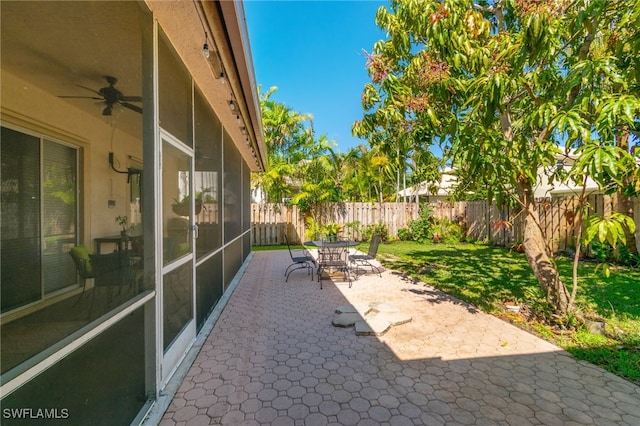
(39, 218)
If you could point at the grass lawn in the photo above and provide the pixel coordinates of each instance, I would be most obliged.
(488, 277)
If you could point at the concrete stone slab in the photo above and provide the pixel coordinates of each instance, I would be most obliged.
(383, 307)
(395, 318)
(353, 309)
(346, 319)
(372, 327)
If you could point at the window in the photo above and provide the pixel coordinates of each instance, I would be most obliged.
(39, 217)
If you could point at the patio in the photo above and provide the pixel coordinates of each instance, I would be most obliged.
(274, 357)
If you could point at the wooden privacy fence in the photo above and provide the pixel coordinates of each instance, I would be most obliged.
(505, 226)
(270, 222)
(482, 221)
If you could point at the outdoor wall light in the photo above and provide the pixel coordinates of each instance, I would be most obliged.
(239, 119)
(232, 105)
(205, 47)
(244, 130)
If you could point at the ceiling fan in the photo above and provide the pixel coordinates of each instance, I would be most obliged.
(111, 96)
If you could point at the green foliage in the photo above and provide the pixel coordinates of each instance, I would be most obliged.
(352, 229)
(404, 234)
(448, 231)
(380, 228)
(313, 229)
(611, 230)
(501, 89)
(628, 258)
(330, 231)
(122, 221)
(303, 206)
(308, 170)
(421, 229)
(604, 253)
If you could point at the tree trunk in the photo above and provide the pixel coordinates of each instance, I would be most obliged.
(536, 250)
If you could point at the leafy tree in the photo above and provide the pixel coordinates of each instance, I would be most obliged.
(356, 177)
(502, 86)
(319, 176)
(301, 167)
(289, 142)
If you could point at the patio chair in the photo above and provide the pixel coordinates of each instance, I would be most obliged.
(365, 259)
(304, 261)
(80, 255)
(112, 271)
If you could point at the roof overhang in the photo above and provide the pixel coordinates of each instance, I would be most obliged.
(227, 74)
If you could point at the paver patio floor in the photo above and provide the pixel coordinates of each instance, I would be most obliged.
(275, 358)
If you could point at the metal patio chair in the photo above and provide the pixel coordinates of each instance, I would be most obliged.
(365, 260)
(304, 261)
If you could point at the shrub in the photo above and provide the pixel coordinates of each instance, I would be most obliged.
(421, 229)
(352, 229)
(404, 234)
(627, 258)
(603, 252)
(330, 231)
(451, 232)
(312, 231)
(380, 228)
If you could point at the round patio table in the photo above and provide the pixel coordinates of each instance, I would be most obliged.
(333, 255)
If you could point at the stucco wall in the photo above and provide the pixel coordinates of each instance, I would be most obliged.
(34, 109)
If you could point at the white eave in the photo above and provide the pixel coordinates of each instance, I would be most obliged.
(185, 22)
(238, 36)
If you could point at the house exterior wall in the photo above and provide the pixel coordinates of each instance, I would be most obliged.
(40, 110)
(102, 359)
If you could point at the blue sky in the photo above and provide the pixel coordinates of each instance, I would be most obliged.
(313, 52)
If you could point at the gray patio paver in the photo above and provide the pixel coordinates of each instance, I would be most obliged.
(274, 357)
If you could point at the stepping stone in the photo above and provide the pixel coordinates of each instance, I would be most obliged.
(351, 309)
(395, 318)
(372, 327)
(346, 319)
(383, 307)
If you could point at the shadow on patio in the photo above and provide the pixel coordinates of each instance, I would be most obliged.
(274, 357)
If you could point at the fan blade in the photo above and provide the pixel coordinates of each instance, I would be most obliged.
(131, 107)
(131, 98)
(90, 89)
(81, 97)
